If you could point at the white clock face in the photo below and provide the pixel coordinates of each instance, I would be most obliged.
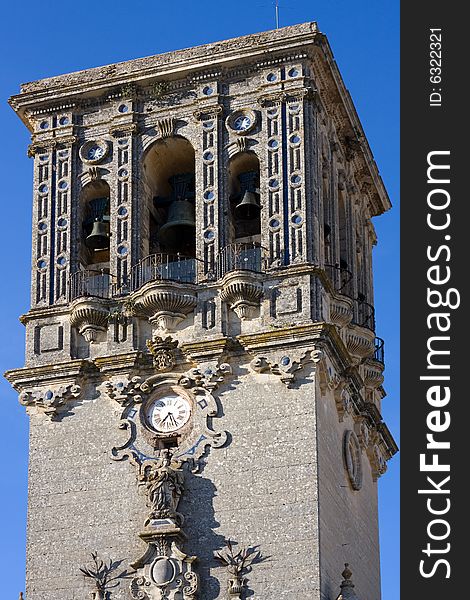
(242, 123)
(95, 152)
(169, 413)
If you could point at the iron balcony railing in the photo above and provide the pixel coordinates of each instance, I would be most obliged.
(240, 257)
(364, 314)
(379, 352)
(90, 283)
(170, 267)
(341, 279)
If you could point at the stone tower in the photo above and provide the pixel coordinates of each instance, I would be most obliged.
(202, 375)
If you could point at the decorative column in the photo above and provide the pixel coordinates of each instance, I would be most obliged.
(208, 190)
(52, 149)
(271, 183)
(295, 183)
(123, 244)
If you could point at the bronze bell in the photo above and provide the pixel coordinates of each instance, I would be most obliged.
(99, 236)
(178, 232)
(248, 208)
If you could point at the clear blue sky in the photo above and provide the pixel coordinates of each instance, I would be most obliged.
(40, 39)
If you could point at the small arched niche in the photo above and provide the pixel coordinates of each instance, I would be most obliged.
(168, 225)
(95, 218)
(244, 194)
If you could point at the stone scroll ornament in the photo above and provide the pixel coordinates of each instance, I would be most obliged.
(133, 395)
(50, 401)
(165, 571)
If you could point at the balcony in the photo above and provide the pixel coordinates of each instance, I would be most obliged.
(163, 267)
(94, 284)
(240, 257)
(364, 314)
(341, 279)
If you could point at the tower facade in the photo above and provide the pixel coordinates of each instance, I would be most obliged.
(202, 376)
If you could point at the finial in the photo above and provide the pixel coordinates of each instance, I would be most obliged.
(347, 574)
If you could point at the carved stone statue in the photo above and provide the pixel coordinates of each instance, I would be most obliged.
(164, 484)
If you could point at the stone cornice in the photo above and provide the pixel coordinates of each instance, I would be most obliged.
(178, 63)
(30, 376)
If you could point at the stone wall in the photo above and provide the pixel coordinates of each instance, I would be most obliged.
(258, 490)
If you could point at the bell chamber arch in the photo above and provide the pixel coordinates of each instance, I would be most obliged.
(168, 224)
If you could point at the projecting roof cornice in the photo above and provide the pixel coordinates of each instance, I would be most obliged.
(211, 61)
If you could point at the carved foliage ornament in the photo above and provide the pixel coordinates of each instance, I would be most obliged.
(238, 565)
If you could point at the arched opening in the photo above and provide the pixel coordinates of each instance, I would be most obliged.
(244, 194)
(95, 217)
(169, 182)
(93, 277)
(244, 224)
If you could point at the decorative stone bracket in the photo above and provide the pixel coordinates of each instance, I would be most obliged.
(165, 304)
(242, 291)
(285, 363)
(90, 317)
(50, 400)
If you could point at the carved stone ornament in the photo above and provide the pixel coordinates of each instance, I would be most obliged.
(165, 304)
(50, 400)
(124, 390)
(347, 586)
(285, 364)
(342, 399)
(238, 565)
(164, 483)
(102, 575)
(377, 461)
(163, 352)
(198, 384)
(166, 127)
(90, 317)
(353, 459)
(242, 292)
(164, 571)
(166, 575)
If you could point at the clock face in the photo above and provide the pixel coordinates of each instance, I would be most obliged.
(95, 152)
(169, 413)
(242, 123)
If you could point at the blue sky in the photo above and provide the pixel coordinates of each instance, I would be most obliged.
(39, 39)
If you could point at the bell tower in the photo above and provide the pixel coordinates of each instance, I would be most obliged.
(203, 376)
